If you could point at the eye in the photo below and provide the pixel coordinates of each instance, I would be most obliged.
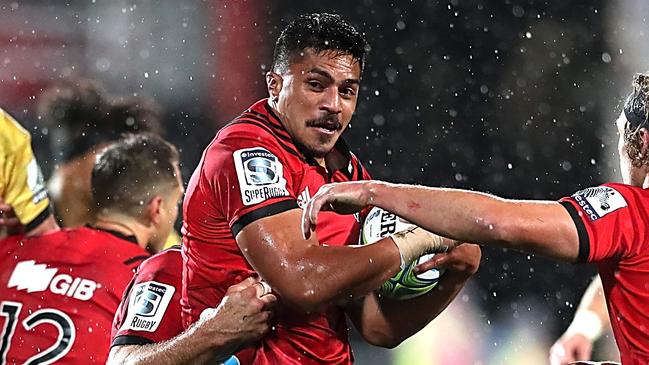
(348, 91)
(315, 84)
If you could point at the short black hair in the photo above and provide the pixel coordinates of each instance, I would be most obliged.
(321, 32)
(131, 171)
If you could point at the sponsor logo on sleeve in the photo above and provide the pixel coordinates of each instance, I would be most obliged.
(260, 174)
(599, 201)
(147, 306)
(36, 182)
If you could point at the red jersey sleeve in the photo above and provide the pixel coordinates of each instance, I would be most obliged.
(250, 176)
(609, 219)
(150, 307)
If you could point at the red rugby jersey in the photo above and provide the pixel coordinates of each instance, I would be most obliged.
(150, 308)
(59, 293)
(252, 170)
(613, 226)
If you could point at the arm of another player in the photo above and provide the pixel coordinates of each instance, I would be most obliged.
(542, 227)
(386, 323)
(242, 317)
(586, 327)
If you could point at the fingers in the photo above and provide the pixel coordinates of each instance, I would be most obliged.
(439, 261)
(6, 210)
(435, 261)
(244, 284)
(262, 288)
(269, 301)
(305, 224)
(583, 352)
(310, 215)
(558, 355)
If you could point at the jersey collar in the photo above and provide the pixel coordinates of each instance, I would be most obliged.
(117, 234)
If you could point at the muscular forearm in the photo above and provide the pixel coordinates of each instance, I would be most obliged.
(190, 347)
(387, 323)
(534, 226)
(319, 275)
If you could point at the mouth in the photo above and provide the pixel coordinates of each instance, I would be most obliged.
(327, 126)
(326, 130)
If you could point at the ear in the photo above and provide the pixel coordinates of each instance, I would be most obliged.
(154, 210)
(274, 84)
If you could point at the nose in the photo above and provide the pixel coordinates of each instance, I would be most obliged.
(331, 102)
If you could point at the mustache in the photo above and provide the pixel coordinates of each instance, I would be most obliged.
(327, 121)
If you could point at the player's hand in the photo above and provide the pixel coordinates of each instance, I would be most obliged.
(463, 259)
(9, 222)
(342, 198)
(569, 349)
(244, 313)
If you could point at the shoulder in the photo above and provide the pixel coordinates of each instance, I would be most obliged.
(13, 135)
(166, 263)
(630, 195)
(256, 126)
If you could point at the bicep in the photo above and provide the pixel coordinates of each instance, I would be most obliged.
(542, 227)
(274, 246)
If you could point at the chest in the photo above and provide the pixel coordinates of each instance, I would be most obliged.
(333, 229)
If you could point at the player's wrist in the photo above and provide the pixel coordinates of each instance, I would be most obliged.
(415, 242)
(586, 323)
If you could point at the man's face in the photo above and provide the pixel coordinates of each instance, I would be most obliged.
(316, 98)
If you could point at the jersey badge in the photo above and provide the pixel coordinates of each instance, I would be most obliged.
(147, 306)
(599, 201)
(260, 174)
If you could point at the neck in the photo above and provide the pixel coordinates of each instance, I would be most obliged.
(126, 225)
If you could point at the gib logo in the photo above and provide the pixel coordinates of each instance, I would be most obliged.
(28, 275)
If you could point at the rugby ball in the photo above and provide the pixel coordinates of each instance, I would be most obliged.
(405, 284)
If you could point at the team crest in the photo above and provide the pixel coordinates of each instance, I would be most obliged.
(260, 174)
(599, 201)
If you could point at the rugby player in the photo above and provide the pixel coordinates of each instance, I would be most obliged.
(59, 291)
(243, 206)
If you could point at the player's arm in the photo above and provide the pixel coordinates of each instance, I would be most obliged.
(542, 227)
(307, 274)
(241, 317)
(267, 229)
(10, 223)
(591, 316)
(386, 323)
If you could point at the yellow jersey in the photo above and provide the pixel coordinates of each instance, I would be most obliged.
(21, 181)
